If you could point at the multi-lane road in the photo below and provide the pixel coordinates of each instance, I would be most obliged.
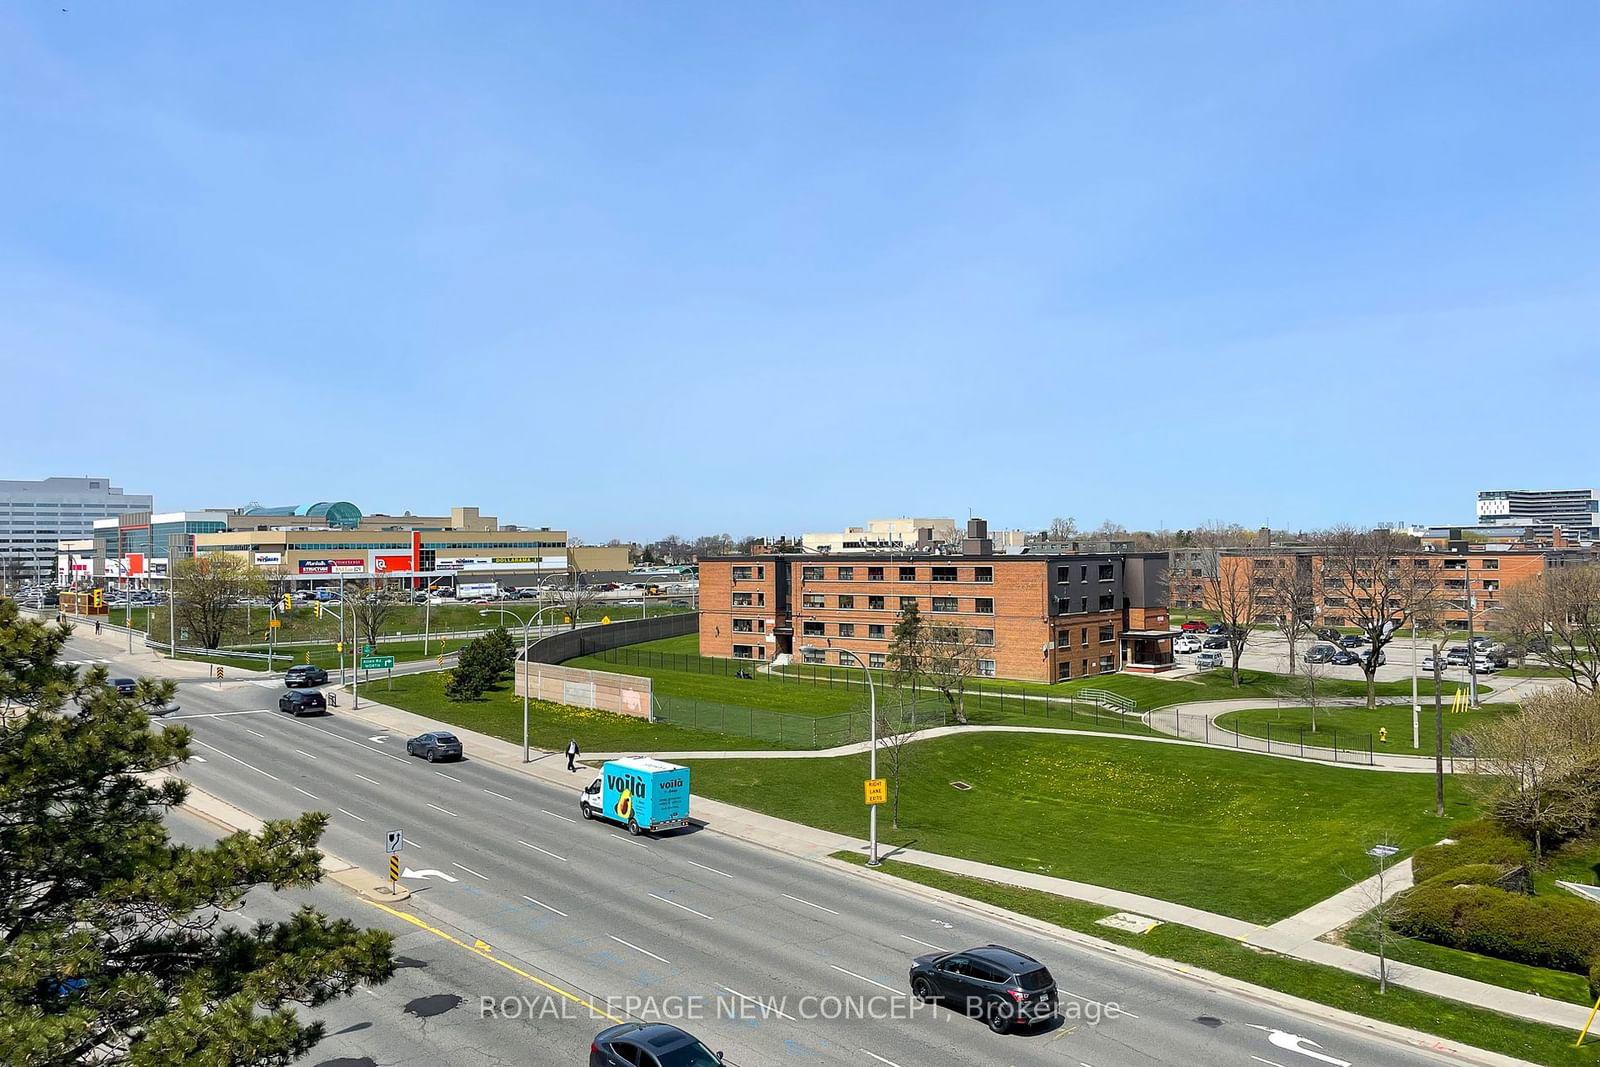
(529, 930)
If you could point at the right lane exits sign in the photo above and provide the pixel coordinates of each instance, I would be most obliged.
(877, 790)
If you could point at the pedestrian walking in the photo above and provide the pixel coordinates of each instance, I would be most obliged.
(572, 754)
(97, 627)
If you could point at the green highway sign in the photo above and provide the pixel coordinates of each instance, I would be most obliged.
(366, 650)
(376, 662)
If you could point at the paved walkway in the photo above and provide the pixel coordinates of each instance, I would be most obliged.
(1295, 936)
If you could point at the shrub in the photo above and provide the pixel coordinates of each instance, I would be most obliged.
(1469, 874)
(1482, 841)
(1594, 979)
(1562, 933)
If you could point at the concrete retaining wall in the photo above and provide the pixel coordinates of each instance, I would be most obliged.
(623, 694)
(559, 648)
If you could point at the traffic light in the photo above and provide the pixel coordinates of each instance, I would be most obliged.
(317, 606)
(288, 602)
(99, 598)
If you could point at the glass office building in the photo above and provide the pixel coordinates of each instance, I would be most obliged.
(35, 515)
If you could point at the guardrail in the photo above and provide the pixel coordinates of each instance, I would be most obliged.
(184, 650)
(1107, 698)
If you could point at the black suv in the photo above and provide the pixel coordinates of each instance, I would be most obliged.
(649, 1045)
(299, 704)
(435, 746)
(304, 675)
(1321, 653)
(999, 985)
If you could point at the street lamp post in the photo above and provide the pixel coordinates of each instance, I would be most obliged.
(872, 733)
(527, 681)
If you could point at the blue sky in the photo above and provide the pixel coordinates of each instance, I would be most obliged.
(650, 268)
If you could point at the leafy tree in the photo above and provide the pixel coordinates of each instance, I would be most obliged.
(1539, 768)
(206, 589)
(482, 663)
(908, 649)
(370, 607)
(112, 948)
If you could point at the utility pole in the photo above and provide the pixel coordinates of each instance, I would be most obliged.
(1472, 648)
(1438, 728)
(1416, 708)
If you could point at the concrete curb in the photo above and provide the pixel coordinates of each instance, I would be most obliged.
(220, 813)
(1415, 1039)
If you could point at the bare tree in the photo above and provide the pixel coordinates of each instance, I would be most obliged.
(205, 590)
(1291, 601)
(369, 608)
(1304, 686)
(1376, 582)
(1062, 529)
(1228, 587)
(897, 729)
(1537, 767)
(575, 596)
(952, 657)
(1559, 615)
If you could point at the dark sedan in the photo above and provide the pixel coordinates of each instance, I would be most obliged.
(1321, 654)
(1352, 641)
(1214, 642)
(298, 702)
(1216, 628)
(649, 1044)
(435, 746)
(1001, 986)
(1345, 658)
(304, 675)
(123, 686)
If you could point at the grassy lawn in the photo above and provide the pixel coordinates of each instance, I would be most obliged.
(1540, 981)
(403, 651)
(550, 726)
(1352, 728)
(224, 660)
(1534, 672)
(1449, 1019)
(1239, 834)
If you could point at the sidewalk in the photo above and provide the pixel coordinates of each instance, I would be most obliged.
(112, 643)
(1294, 936)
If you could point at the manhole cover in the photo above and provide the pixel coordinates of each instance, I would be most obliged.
(1209, 1020)
(963, 786)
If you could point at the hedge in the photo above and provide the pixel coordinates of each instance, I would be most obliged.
(1468, 874)
(1477, 842)
(1594, 980)
(1562, 933)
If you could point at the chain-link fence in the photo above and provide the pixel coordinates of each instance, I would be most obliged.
(793, 731)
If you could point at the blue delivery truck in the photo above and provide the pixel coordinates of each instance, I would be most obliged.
(641, 793)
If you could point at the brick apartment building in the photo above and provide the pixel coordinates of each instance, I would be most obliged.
(1044, 618)
(1465, 570)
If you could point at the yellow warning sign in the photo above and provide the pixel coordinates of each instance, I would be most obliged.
(605, 620)
(275, 623)
(877, 790)
(219, 674)
(394, 868)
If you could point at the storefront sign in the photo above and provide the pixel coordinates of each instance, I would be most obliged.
(332, 566)
(387, 564)
(269, 559)
(501, 563)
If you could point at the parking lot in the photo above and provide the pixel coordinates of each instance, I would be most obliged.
(1268, 651)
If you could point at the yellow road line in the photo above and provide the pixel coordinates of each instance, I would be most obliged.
(414, 921)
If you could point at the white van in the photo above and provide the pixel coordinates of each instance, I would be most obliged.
(1207, 660)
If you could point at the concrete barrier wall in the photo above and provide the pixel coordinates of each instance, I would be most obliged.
(623, 694)
(559, 648)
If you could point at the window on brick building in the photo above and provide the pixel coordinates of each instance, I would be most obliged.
(1108, 664)
(811, 574)
(1108, 601)
(847, 574)
(874, 603)
(743, 652)
(876, 631)
(1063, 671)
(1063, 574)
(944, 574)
(1108, 571)
(945, 603)
(986, 668)
(983, 637)
(811, 600)
(743, 573)
(744, 626)
(983, 605)
(813, 655)
(908, 574)
(846, 602)
(812, 629)
(1107, 634)
(744, 600)
(847, 629)
(907, 602)
(877, 660)
(874, 574)
(983, 574)
(1491, 564)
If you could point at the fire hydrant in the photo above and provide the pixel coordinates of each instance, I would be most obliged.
(1383, 735)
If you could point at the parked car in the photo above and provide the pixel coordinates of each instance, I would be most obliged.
(1383, 657)
(1345, 658)
(1481, 644)
(1207, 660)
(1216, 628)
(1428, 666)
(1321, 654)
(1185, 644)
(651, 1044)
(1457, 655)
(1192, 625)
(1001, 986)
(304, 675)
(1214, 642)
(1328, 633)
(1484, 665)
(435, 746)
(298, 702)
(1352, 641)
(123, 686)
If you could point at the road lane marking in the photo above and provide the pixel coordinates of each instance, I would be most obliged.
(502, 796)
(349, 740)
(250, 731)
(914, 940)
(1090, 1000)
(808, 904)
(436, 807)
(864, 978)
(220, 714)
(765, 1007)
(891, 1063)
(1269, 1063)
(625, 841)
(636, 948)
(304, 753)
(313, 796)
(713, 870)
(353, 815)
(573, 997)
(547, 852)
(469, 870)
(552, 814)
(686, 908)
(364, 778)
(546, 907)
(441, 774)
(236, 759)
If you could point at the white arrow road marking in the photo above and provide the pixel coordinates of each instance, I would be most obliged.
(379, 739)
(1294, 1043)
(428, 872)
(198, 759)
